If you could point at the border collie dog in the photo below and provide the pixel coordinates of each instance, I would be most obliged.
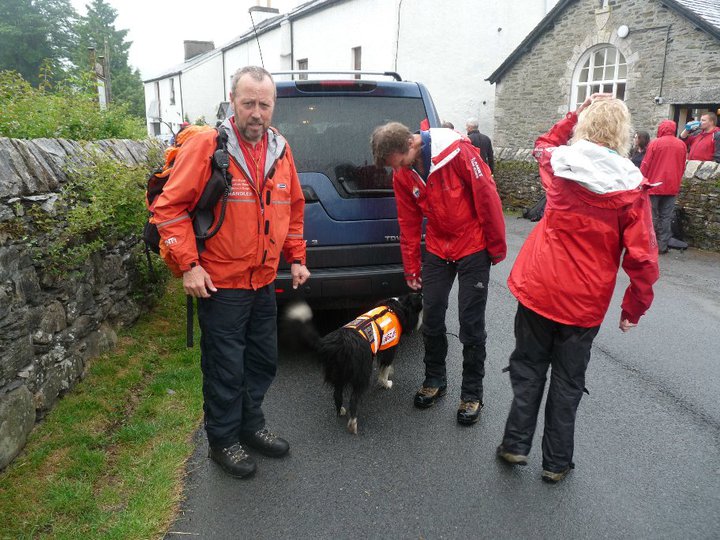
(347, 353)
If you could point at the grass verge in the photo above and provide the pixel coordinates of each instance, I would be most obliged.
(108, 460)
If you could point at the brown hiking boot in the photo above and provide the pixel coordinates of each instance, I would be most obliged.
(428, 395)
(469, 412)
(554, 477)
(509, 457)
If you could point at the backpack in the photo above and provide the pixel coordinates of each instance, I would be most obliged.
(218, 185)
(536, 211)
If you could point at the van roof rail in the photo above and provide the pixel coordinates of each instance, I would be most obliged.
(392, 74)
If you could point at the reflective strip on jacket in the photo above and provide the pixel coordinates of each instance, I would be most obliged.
(567, 267)
(260, 221)
(379, 326)
(460, 201)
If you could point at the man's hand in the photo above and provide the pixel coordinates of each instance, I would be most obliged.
(299, 273)
(626, 325)
(414, 283)
(197, 283)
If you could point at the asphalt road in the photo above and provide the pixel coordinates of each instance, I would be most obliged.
(646, 451)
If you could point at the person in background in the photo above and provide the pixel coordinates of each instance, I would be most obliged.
(702, 138)
(233, 277)
(447, 125)
(640, 142)
(664, 164)
(480, 141)
(439, 176)
(597, 217)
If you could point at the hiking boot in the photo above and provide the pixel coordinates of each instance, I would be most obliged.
(508, 457)
(233, 460)
(469, 412)
(266, 442)
(428, 395)
(554, 477)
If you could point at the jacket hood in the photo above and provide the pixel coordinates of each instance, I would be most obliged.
(666, 127)
(444, 145)
(597, 169)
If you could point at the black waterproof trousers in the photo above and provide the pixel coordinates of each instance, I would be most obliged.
(238, 360)
(473, 273)
(539, 344)
(662, 214)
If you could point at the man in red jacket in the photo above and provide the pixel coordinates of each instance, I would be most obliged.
(664, 164)
(703, 141)
(597, 214)
(439, 175)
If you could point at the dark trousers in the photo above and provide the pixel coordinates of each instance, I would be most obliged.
(540, 343)
(473, 273)
(662, 213)
(238, 359)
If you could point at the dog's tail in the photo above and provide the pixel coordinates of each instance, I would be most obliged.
(297, 326)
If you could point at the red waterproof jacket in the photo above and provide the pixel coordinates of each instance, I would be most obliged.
(460, 201)
(260, 221)
(664, 161)
(703, 146)
(597, 214)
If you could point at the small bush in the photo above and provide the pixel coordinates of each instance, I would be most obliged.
(68, 111)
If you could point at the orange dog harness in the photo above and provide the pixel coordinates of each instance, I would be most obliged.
(379, 326)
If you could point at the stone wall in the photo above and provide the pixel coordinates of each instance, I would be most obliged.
(535, 92)
(518, 182)
(50, 326)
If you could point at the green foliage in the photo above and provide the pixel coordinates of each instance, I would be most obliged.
(102, 204)
(97, 29)
(69, 111)
(33, 32)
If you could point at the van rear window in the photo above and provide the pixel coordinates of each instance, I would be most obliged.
(331, 135)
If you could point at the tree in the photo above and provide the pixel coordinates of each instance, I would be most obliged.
(97, 28)
(33, 32)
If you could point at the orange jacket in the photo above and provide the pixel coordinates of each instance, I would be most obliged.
(260, 221)
(379, 326)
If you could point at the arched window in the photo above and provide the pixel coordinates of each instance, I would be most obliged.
(600, 69)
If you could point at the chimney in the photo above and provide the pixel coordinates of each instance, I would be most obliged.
(195, 48)
(261, 13)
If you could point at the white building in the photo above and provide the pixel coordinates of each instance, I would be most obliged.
(451, 47)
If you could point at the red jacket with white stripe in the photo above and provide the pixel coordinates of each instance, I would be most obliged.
(260, 221)
(597, 214)
(459, 199)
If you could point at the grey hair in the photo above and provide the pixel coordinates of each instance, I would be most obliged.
(255, 72)
(472, 122)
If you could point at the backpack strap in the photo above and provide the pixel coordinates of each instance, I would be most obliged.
(219, 185)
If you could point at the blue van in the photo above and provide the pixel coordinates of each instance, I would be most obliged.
(351, 229)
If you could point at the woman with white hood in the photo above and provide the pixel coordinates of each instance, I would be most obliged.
(597, 216)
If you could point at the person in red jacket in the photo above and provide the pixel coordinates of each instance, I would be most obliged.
(664, 164)
(703, 140)
(439, 175)
(233, 277)
(597, 217)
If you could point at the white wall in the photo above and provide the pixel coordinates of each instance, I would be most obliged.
(326, 37)
(454, 48)
(203, 89)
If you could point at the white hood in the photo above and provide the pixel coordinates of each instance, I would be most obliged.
(595, 167)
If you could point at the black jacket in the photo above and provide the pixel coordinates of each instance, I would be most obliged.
(485, 145)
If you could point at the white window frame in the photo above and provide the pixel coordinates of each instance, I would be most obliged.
(606, 82)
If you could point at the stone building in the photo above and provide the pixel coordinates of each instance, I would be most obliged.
(661, 56)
